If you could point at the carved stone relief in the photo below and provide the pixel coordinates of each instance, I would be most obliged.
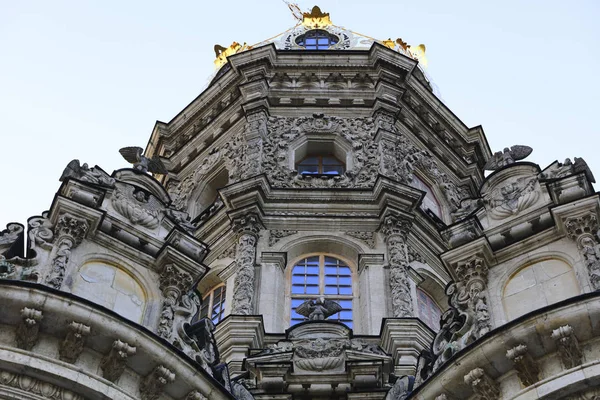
(247, 228)
(139, 207)
(173, 284)
(276, 235)
(86, 174)
(482, 384)
(10, 235)
(395, 231)
(69, 232)
(583, 231)
(36, 386)
(151, 387)
(527, 368)
(512, 198)
(72, 346)
(29, 328)
(113, 364)
(568, 346)
(367, 237)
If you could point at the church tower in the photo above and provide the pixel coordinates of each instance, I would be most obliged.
(317, 224)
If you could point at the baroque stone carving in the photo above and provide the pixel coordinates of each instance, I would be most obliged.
(482, 384)
(240, 392)
(29, 328)
(195, 395)
(527, 368)
(181, 218)
(319, 309)
(151, 386)
(582, 231)
(72, 346)
(367, 237)
(9, 235)
(395, 231)
(69, 232)
(568, 346)
(113, 364)
(512, 198)
(508, 156)
(467, 207)
(86, 174)
(134, 155)
(40, 232)
(173, 283)
(37, 387)
(561, 170)
(402, 388)
(247, 228)
(276, 235)
(139, 207)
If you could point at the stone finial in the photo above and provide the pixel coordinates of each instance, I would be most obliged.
(527, 368)
(113, 364)
(568, 346)
(196, 395)
(153, 384)
(484, 386)
(29, 328)
(72, 346)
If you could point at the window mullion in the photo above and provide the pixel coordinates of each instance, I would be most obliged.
(321, 274)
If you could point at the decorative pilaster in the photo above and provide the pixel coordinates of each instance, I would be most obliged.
(29, 328)
(527, 368)
(568, 346)
(386, 138)
(69, 232)
(113, 364)
(246, 228)
(153, 384)
(173, 284)
(72, 346)
(256, 130)
(471, 294)
(482, 384)
(395, 231)
(583, 231)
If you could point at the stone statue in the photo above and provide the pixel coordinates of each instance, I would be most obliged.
(86, 174)
(142, 163)
(591, 252)
(401, 389)
(507, 156)
(318, 310)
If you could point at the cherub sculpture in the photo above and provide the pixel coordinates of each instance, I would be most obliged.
(142, 163)
(318, 310)
(507, 156)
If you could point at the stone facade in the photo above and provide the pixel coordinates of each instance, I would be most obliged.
(433, 280)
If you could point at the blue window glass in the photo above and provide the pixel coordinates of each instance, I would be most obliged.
(213, 305)
(320, 165)
(317, 39)
(322, 276)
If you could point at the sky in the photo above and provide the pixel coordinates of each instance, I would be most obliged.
(81, 79)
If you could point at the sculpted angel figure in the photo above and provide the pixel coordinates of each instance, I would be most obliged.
(318, 310)
(591, 252)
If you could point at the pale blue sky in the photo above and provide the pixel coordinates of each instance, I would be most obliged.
(80, 79)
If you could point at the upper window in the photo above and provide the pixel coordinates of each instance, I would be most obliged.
(429, 202)
(213, 304)
(320, 165)
(317, 39)
(428, 310)
(322, 276)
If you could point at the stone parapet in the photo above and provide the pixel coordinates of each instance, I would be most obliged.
(404, 339)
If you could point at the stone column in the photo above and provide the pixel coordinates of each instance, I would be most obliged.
(583, 231)
(246, 228)
(256, 131)
(174, 283)
(69, 232)
(386, 138)
(395, 230)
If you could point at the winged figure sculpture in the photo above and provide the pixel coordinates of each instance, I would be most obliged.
(142, 163)
(319, 309)
(507, 156)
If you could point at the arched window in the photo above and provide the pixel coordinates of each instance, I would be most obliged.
(320, 165)
(429, 202)
(322, 276)
(428, 310)
(213, 304)
(537, 285)
(111, 287)
(317, 39)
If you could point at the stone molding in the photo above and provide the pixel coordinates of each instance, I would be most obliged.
(152, 386)
(36, 386)
(113, 364)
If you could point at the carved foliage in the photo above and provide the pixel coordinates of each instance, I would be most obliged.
(482, 384)
(72, 346)
(367, 237)
(568, 346)
(113, 364)
(527, 368)
(37, 387)
(151, 387)
(395, 230)
(69, 232)
(276, 235)
(29, 328)
(247, 228)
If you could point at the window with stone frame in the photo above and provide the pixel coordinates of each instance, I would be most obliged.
(428, 310)
(322, 276)
(213, 304)
(430, 202)
(320, 165)
(317, 39)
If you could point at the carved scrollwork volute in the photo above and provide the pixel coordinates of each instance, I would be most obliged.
(72, 345)
(152, 386)
(29, 328)
(113, 364)
(247, 228)
(395, 231)
(173, 284)
(583, 231)
(68, 232)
